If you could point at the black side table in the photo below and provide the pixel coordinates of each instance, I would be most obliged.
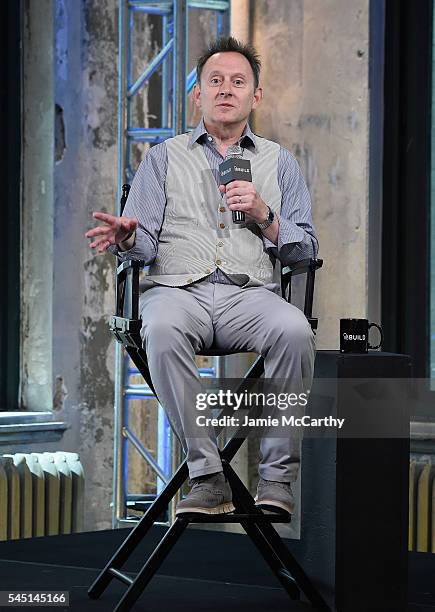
(354, 500)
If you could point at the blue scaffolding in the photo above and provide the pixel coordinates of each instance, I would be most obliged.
(170, 64)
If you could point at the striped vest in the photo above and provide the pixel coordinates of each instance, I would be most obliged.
(197, 233)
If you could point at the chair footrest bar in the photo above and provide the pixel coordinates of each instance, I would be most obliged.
(122, 577)
(235, 518)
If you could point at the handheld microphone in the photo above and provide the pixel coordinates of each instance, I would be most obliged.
(234, 168)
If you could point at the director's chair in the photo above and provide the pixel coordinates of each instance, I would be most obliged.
(126, 325)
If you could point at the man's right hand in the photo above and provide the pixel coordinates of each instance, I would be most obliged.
(114, 231)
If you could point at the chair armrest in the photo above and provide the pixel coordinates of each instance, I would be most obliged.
(301, 267)
(127, 289)
(308, 267)
(125, 324)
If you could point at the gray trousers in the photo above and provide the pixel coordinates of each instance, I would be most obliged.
(179, 322)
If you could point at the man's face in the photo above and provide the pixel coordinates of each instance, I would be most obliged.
(227, 93)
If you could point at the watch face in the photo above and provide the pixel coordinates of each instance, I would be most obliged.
(270, 216)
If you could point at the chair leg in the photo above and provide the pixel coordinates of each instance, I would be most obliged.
(137, 534)
(151, 566)
(262, 544)
(293, 567)
(274, 562)
(272, 548)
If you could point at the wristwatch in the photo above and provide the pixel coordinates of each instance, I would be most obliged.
(269, 220)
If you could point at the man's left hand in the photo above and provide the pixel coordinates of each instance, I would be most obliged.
(242, 195)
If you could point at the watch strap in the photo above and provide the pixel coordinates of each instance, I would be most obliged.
(269, 220)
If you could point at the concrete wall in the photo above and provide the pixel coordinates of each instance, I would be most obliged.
(36, 284)
(84, 180)
(70, 136)
(315, 78)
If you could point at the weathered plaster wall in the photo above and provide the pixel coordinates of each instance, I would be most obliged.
(84, 179)
(37, 208)
(315, 79)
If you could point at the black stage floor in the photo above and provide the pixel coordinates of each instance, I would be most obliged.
(206, 572)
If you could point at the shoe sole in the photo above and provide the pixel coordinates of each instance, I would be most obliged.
(221, 509)
(273, 505)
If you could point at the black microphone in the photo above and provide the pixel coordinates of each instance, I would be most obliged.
(234, 168)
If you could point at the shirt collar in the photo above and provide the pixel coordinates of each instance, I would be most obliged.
(200, 132)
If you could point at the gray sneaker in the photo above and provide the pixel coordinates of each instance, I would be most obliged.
(274, 496)
(210, 494)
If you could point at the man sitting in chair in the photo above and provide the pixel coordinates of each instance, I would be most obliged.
(210, 279)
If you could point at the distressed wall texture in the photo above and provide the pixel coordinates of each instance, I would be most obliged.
(36, 286)
(84, 181)
(315, 79)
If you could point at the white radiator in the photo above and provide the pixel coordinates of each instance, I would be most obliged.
(40, 494)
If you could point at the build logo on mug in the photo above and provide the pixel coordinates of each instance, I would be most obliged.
(354, 336)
